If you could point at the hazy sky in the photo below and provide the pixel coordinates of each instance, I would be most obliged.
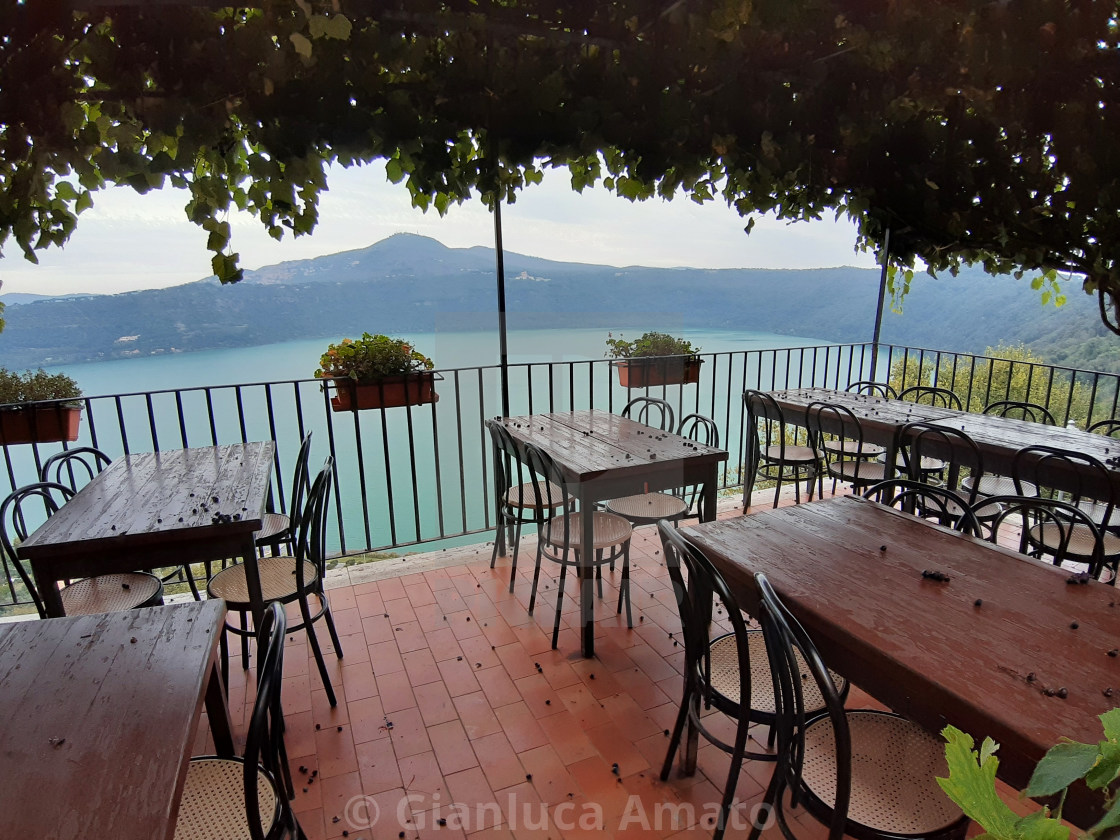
(127, 242)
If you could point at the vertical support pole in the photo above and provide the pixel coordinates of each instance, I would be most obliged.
(500, 268)
(884, 259)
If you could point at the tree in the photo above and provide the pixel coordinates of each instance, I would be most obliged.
(973, 131)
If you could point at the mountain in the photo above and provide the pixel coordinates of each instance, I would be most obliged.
(413, 283)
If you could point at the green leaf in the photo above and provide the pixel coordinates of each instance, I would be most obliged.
(84, 202)
(1111, 819)
(301, 43)
(1040, 826)
(971, 783)
(1062, 765)
(338, 27)
(1110, 721)
(1107, 768)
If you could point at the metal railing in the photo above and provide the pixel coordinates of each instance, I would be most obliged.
(422, 475)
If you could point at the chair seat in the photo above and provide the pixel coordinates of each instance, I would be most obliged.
(608, 530)
(852, 449)
(793, 454)
(1048, 536)
(277, 576)
(111, 593)
(724, 662)
(998, 485)
(274, 527)
(894, 763)
(648, 507)
(525, 497)
(213, 803)
(862, 472)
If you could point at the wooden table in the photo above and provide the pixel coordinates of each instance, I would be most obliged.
(605, 456)
(99, 715)
(850, 570)
(157, 509)
(998, 438)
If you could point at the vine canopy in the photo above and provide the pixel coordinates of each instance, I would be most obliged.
(975, 132)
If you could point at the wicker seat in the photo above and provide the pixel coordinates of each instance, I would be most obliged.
(279, 529)
(559, 538)
(289, 579)
(222, 797)
(867, 774)
(730, 672)
(647, 508)
(519, 502)
(22, 511)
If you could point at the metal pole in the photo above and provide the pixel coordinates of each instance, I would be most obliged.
(500, 266)
(884, 258)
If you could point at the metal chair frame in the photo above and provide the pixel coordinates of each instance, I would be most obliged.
(559, 538)
(847, 461)
(1109, 427)
(281, 533)
(86, 461)
(932, 449)
(792, 654)
(1033, 412)
(642, 410)
(929, 501)
(936, 396)
(793, 462)
(873, 389)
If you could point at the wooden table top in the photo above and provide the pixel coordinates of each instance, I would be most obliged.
(593, 444)
(998, 438)
(155, 497)
(850, 570)
(99, 715)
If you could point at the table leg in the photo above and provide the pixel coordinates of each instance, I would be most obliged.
(48, 591)
(253, 581)
(587, 575)
(217, 711)
(708, 496)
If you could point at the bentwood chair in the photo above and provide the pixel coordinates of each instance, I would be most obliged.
(846, 460)
(873, 389)
(928, 451)
(279, 529)
(729, 672)
(289, 579)
(945, 507)
(931, 395)
(75, 467)
(1108, 428)
(28, 507)
(772, 452)
(515, 495)
(1081, 479)
(1021, 410)
(651, 411)
(647, 508)
(862, 773)
(559, 538)
(248, 796)
(1048, 529)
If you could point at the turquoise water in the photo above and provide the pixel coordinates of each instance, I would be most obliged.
(403, 476)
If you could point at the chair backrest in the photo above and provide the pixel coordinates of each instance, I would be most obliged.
(74, 467)
(931, 395)
(794, 659)
(922, 440)
(694, 602)
(24, 510)
(873, 389)
(509, 468)
(766, 425)
(311, 539)
(699, 428)
(1024, 519)
(550, 492)
(832, 422)
(1109, 427)
(928, 501)
(651, 411)
(1078, 477)
(1022, 410)
(301, 484)
(264, 745)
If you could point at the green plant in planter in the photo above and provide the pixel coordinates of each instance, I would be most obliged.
(971, 784)
(650, 344)
(33, 386)
(371, 358)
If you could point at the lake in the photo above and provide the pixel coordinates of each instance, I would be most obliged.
(404, 477)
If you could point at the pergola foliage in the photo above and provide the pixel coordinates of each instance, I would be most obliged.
(976, 132)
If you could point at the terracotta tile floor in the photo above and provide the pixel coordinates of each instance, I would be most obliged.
(452, 705)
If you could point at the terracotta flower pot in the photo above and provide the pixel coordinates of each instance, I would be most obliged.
(391, 392)
(39, 424)
(670, 370)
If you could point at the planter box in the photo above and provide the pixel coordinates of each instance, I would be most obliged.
(388, 393)
(667, 370)
(39, 424)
